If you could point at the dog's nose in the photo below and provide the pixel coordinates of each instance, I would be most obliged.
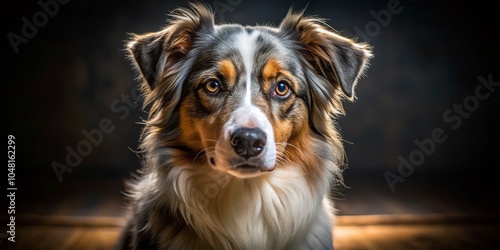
(248, 142)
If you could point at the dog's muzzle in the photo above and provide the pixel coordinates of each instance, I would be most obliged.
(246, 147)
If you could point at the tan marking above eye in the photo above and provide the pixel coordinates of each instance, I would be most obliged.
(271, 70)
(273, 74)
(227, 68)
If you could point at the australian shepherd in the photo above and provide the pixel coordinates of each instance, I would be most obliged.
(240, 148)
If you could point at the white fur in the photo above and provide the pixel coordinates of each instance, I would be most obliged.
(246, 45)
(285, 212)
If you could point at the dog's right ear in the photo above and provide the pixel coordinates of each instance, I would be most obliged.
(154, 54)
(146, 51)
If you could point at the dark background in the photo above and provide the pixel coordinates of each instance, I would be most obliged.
(428, 57)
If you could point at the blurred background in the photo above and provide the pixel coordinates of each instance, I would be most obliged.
(66, 75)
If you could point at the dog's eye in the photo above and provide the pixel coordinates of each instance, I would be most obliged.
(282, 89)
(212, 86)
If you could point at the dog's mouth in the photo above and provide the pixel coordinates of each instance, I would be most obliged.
(251, 168)
(248, 170)
(246, 167)
(243, 170)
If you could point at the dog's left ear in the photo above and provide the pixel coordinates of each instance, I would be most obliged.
(155, 53)
(161, 58)
(339, 60)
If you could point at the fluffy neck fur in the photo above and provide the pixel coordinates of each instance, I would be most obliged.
(274, 211)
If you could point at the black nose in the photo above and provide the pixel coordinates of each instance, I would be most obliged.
(248, 142)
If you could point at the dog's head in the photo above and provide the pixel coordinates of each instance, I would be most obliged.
(244, 96)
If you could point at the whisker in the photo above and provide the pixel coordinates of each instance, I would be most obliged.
(285, 144)
(283, 155)
(211, 140)
(348, 142)
(281, 160)
(203, 151)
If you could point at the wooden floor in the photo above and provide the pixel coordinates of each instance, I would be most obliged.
(351, 232)
(88, 214)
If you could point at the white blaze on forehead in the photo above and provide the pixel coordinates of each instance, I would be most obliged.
(246, 115)
(246, 43)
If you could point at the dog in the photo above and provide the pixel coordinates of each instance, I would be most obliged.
(240, 148)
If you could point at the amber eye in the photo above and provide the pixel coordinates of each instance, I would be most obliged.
(212, 86)
(282, 89)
